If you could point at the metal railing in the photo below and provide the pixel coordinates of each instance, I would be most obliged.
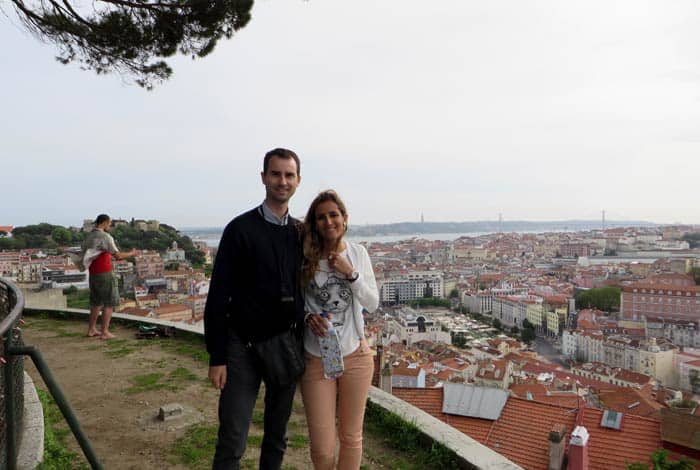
(12, 373)
(12, 352)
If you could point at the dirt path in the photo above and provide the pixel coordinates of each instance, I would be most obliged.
(116, 388)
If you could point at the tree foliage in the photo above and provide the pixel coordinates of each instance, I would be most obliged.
(527, 335)
(41, 235)
(602, 298)
(459, 340)
(695, 273)
(50, 236)
(430, 302)
(693, 239)
(128, 237)
(660, 461)
(61, 236)
(133, 37)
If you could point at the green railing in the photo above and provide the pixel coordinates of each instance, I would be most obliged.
(12, 352)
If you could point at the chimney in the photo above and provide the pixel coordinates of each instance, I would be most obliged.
(385, 377)
(378, 361)
(578, 449)
(557, 446)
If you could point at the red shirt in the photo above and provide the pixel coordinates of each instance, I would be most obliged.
(101, 264)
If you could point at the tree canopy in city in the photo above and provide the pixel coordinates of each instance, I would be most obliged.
(602, 298)
(132, 37)
(41, 235)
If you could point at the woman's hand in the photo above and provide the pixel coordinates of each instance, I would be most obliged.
(317, 324)
(340, 264)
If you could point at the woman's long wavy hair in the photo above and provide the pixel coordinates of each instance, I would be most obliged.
(311, 240)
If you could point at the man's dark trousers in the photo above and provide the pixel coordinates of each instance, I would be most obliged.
(236, 405)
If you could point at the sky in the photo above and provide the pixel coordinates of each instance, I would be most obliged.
(457, 110)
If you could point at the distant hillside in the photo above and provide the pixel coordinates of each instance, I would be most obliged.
(48, 236)
(488, 226)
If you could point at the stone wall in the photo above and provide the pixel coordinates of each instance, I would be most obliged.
(47, 298)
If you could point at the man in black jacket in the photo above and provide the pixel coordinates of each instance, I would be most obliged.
(254, 294)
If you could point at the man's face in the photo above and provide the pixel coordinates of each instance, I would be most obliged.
(281, 179)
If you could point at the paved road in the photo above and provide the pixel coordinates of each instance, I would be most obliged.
(547, 350)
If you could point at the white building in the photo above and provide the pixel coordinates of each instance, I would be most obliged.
(511, 310)
(414, 285)
(410, 327)
(174, 254)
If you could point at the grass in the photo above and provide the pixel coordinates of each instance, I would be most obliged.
(258, 417)
(57, 456)
(118, 348)
(254, 441)
(79, 299)
(193, 350)
(408, 439)
(298, 441)
(161, 381)
(181, 373)
(146, 382)
(67, 334)
(196, 448)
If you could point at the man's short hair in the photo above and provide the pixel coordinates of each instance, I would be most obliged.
(285, 154)
(101, 218)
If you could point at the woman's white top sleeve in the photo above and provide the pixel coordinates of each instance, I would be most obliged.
(365, 287)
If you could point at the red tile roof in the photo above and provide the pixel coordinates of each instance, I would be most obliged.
(546, 394)
(521, 432)
(664, 288)
(405, 371)
(629, 400)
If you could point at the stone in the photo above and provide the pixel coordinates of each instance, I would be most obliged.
(170, 411)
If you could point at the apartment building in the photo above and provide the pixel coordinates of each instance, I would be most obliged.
(574, 250)
(410, 376)
(58, 277)
(481, 302)
(173, 312)
(688, 366)
(682, 333)
(583, 346)
(536, 315)
(494, 374)
(196, 303)
(511, 310)
(648, 356)
(9, 263)
(660, 300)
(613, 375)
(412, 286)
(149, 265)
(556, 320)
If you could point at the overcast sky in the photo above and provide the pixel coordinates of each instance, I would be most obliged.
(455, 109)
